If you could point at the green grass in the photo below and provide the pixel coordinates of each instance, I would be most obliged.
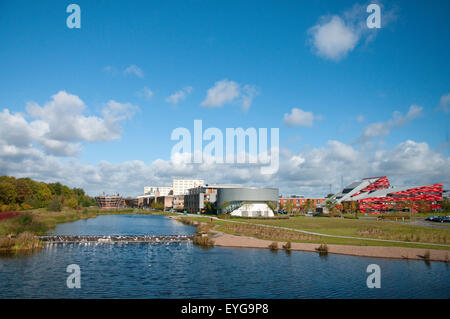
(337, 226)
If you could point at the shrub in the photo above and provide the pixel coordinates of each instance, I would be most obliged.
(273, 246)
(55, 205)
(27, 240)
(203, 228)
(322, 249)
(288, 246)
(25, 222)
(6, 242)
(203, 241)
(71, 203)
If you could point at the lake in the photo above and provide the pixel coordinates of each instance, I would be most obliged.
(182, 270)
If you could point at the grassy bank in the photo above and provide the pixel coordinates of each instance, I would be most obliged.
(19, 233)
(336, 226)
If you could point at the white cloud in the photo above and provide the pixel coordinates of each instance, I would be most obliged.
(309, 172)
(135, 70)
(379, 129)
(334, 36)
(444, 103)
(146, 93)
(298, 117)
(179, 95)
(59, 126)
(248, 93)
(360, 119)
(227, 92)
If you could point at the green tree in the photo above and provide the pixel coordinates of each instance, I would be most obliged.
(272, 206)
(23, 190)
(209, 208)
(308, 205)
(331, 203)
(289, 206)
(55, 204)
(71, 202)
(224, 206)
(8, 193)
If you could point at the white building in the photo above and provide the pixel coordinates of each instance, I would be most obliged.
(181, 186)
(155, 190)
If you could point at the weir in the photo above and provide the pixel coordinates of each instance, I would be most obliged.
(129, 239)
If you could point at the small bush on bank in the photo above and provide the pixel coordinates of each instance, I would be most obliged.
(203, 228)
(322, 249)
(24, 241)
(203, 241)
(273, 246)
(288, 246)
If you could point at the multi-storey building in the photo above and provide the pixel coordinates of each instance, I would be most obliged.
(376, 195)
(157, 190)
(196, 198)
(298, 202)
(181, 186)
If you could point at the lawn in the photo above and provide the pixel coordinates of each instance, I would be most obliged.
(337, 226)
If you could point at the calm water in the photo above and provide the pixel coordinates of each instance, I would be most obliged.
(186, 271)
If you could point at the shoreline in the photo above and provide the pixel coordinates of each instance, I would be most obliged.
(405, 253)
(49, 220)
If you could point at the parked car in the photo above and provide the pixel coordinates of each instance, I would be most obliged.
(446, 219)
(431, 218)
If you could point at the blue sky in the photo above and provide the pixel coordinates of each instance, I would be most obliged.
(268, 47)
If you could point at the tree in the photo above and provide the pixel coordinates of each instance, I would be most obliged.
(289, 206)
(445, 204)
(272, 206)
(224, 206)
(71, 202)
(331, 203)
(23, 190)
(7, 193)
(209, 207)
(309, 205)
(354, 207)
(55, 204)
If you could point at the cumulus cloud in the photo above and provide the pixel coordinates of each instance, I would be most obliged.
(334, 36)
(298, 117)
(380, 129)
(444, 103)
(134, 70)
(308, 172)
(227, 92)
(59, 126)
(145, 93)
(179, 95)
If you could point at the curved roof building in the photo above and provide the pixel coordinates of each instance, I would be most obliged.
(247, 201)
